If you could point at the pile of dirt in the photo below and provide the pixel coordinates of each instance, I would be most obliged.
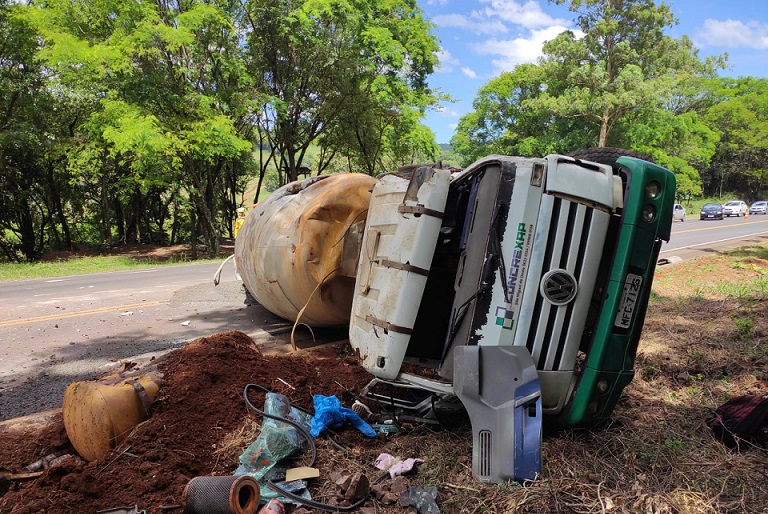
(200, 403)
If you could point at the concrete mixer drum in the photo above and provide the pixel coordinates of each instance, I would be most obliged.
(298, 248)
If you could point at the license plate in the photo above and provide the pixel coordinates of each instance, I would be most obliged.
(710, 215)
(628, 300)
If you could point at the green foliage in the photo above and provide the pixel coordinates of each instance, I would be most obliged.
(123, 121)
(617, 81)
(509, 119)
(79, 266)
(622, 63)
(166, 112)
(744, 327)
(740, 119)
(348, 75)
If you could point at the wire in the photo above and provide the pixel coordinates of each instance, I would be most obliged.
(315, 504)
(295, 425)
(298, 499)
(217, 275)
(319, 505)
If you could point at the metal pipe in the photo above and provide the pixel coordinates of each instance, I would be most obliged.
(222, 495)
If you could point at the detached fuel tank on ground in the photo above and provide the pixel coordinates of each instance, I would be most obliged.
(298, 249)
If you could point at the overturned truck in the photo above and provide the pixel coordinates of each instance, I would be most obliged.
(522, 282)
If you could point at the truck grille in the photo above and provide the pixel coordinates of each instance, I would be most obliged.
(568, 245)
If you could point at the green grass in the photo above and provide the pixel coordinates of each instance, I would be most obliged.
(77, 266)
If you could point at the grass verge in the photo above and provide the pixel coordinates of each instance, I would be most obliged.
(122, 258)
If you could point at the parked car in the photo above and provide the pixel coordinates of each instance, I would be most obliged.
(734, 208)
(711, 211)
(759, 207)
(678, 212)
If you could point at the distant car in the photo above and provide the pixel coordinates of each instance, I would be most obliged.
(711, 211)
(734, 208)
(678, 212)
(759, 207)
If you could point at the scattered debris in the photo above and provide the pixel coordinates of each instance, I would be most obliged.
(42, 463)
(212, 494)
(425, 500)
(362, 410)
(301, 473)
(99, 415)
(199, 404)
(742, 419)
(330, 414)
(273, 506)
(394, 465)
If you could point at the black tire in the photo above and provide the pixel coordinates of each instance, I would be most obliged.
(606, 155)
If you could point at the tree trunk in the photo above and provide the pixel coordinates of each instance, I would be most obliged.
(57, 205)
(120, 216)
(27, 235)
(603, 132)
(106, 227)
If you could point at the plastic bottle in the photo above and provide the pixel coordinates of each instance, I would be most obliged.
(274, 506)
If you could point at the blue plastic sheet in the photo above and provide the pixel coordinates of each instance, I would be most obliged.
(330, 414)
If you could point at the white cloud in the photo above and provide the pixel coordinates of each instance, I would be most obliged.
(520, 50)
(733, 34)
(469, 72)
(447, 61)
(528, 14)
(459, 21)
(447, 113)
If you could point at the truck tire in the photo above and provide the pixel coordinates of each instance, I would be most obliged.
(606, 155)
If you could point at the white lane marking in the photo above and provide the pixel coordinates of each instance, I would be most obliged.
(712, 242)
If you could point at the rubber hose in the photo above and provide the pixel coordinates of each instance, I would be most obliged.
(295, 425)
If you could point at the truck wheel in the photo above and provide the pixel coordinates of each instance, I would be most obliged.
(606, 155)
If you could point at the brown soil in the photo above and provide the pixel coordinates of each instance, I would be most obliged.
(199, 403)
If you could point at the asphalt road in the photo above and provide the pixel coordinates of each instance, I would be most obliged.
(697, 238)
(57, 331)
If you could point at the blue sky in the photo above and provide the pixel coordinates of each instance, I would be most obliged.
(482, 38)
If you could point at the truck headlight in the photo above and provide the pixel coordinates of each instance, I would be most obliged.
(652, 189)
(649, 213)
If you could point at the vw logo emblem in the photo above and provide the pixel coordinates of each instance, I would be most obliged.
(558, 286)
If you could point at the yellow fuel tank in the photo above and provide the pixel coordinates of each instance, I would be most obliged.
(290, 251)
(98, 416)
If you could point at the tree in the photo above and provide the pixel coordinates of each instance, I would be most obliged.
(508, 119)
(618, 81)
(34, 127)
(622, 64)
(167, 77)
(321, 59)
(164, 111)
(741, 121)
